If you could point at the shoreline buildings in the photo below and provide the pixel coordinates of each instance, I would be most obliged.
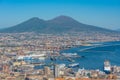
(25, 55)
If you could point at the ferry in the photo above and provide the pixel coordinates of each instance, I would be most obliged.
(30, 56)
(70, 54)
(74, 65)
(29, 65)
(107, 67)
(42, 58)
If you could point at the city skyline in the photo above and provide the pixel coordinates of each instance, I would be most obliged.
(102, 13)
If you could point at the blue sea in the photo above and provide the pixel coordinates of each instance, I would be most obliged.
(94, 56)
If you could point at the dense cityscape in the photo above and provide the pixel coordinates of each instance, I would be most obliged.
(24, 55)
(59, 39)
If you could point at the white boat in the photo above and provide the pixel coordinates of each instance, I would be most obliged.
(30, 56)
(73, 65)
(42, 58)
(29, 65)
(107, 66)
(69, 54)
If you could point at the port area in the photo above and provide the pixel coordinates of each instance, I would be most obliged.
(64, 57)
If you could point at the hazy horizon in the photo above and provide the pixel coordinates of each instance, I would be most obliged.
(101, 13)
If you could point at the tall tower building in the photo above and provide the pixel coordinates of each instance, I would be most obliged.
(56, 71)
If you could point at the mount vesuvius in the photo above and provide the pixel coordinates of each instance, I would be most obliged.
(60, 24)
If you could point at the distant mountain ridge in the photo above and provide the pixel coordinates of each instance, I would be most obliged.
(60, 24)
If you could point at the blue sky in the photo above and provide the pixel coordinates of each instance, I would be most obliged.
(103, 13)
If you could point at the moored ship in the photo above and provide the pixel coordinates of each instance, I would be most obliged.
(107, 66)
(74, 65)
